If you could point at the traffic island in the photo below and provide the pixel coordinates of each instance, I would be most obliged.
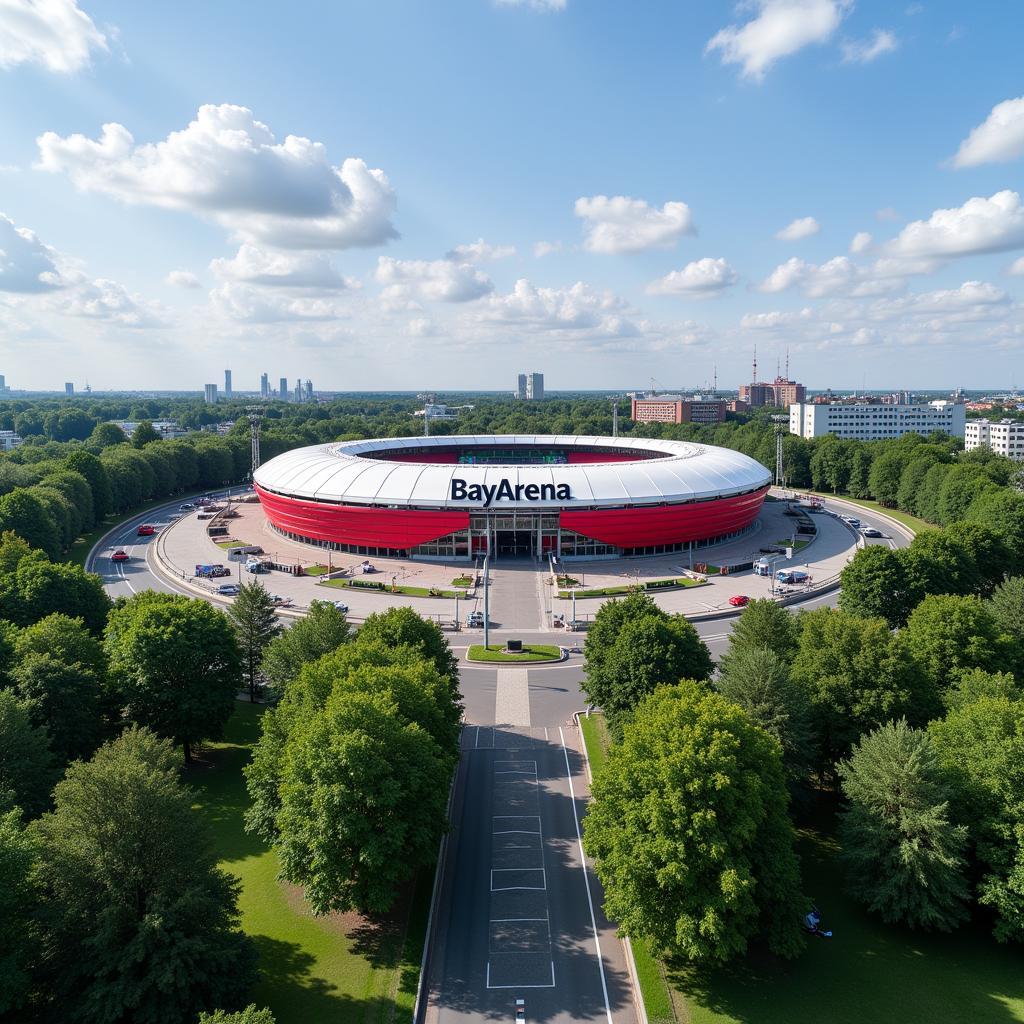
(532, 654)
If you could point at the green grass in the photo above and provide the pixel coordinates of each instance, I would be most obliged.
(495, 652)
(386, 589)
(314, 570)
(463, 581)
(911, 522)
(596, 739)
(314, 970)
(656, 586)
(797, 545)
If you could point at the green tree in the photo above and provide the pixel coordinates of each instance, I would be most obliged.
(175, 665)
(949, 633)
(764, 623)
(985, 552)
(12, 550)
(322, 630)
(859, 484)
(903, 857)
(18, 938)
(689, 831)
(1007, 607)
(886, 472)
(402, 627)
(143, 434)
(76, 489)
(250, 1015)
(39, 588)
(608, 623)
(857, 675)
(25, 514)
(84, 462)
(830, 464)
(254, 617)
(28, 770)
(912, 479)
(876, 584)
(981, 747)
(961, 486)
(106, 434)
(142, 924)
(65, 639)
(973, 684)
(1002, 511)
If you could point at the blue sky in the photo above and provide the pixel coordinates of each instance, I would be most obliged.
(473, 188)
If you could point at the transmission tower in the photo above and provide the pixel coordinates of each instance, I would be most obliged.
(255, 414)
(780, 432)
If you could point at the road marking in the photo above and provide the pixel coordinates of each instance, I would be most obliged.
(586, 878)
(552, 985)
(512, 697)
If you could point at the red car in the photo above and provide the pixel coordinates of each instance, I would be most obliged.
(738, 600)
(145, 530)
(120, 555)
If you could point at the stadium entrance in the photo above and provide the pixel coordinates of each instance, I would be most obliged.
(509, 535)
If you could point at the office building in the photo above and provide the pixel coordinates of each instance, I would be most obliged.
(167, 429)
(3, 383)
(521, 387)
(282, 391)
(1005, 437)
(8, 440)
(865, 421)
(264, 386)
(228, 392)
(297, 395)
(676, 409)
(307, 391)
(211, 394)
(69, 388)
(534, 386)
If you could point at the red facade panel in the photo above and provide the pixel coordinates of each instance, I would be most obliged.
(394, 528)
(666, 524)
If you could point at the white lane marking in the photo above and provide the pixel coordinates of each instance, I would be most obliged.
(586, 878)
(552, 985)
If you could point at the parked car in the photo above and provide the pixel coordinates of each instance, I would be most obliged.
(175, 516)
(227, 589)
(739, 600)
(279, 601)
(120, 555)
(475, 619)
(792, 576)
(255, 566)
(186, 507)
(146, 530)
(208, 571)
(341, 606)
(870, 531)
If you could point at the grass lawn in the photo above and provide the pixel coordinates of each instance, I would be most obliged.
(654, 586)
(911, 522)
(870, 972)
(463, 581)
(314, 570)
(314, 970)
(386, 589)
(495, 652)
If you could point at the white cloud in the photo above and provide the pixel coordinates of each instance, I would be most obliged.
(227, 167)
(421, 327)
(244, 303)
(1016, 268)
(54, 33)
(183, 279)
(998, 139)
(480, 252)
(107, 300)
(255, 266)
(837, 276)
(794, 231)
(432, 280)
(773, 320)
(981, 225)
(618, 224)
(863, 51)
(887, 213)
(861, 242)
(780, 29)
(697, 279)
(545, 6)
(26, 264)
(542, 249)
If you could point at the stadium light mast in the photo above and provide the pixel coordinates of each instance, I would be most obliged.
(780, 432)
(615, 417)
(255, 414)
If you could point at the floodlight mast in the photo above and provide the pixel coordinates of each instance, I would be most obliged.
(255, 414)
(780, 433)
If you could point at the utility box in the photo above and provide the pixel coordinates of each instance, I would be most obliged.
(514, 647)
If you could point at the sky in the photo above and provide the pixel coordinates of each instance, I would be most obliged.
(407, 195)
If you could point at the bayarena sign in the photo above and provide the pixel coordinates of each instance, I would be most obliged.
(515, 496)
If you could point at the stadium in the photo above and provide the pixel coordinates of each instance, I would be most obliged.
(513, 496)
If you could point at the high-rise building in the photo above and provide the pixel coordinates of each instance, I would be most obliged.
(69, 388)
(283, 389)
(535, 386)
(780, 392)
(3, 382)
(1004, 438)
(307, 391)
(211, 394)
(227, 384)
(521, 387)
(264, 386)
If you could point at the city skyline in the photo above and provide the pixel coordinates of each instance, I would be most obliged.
(608, 194)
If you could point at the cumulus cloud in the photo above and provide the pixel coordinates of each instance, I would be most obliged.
(794, 231)
(863, 51)
(698, 279)
(545, 6)
(542, 249)
(998, 139)
(107, 300)
(780, 29)
(480, 252)
(183, 279)
(432, 280)
(837, 276)
(618, 224)
(53, 33)
(243, 303)
(255, 266)
(227, 167)
(887, 213)
(861, 242)
(421, 327)
(981, 225)
(1016, 268)
(26, 264)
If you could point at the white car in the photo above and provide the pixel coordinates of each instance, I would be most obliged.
(227, 589)
(341, 606)
(475, 619)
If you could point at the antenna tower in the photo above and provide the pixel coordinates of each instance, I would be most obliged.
(754, 378)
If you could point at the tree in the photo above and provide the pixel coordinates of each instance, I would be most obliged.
(608, 623)
(857, 675)
(350, 777)
(912, 478)
(398, 627)
(648, 652)
(937, 563)
(175, 665)
(18, 938)
(24, 513)
(106, 434)
(64, 639)
(320, 632)
(254, 617)
(250, 1015)
(973, 684)
(76, 489)
(903, 856)
(860, 472)
(884, 479)
(981, 747)
(764, 624)
(758, 680)
(27, 766)
(961, 486)
(931, 488)
(12, 550)
(1002, 511)
(949, 633)
(40, 588)
(876, 584)
(143, 434)
(84, 462)
(689, 831)
(1007, 607)
(142, 924)
(986, 554)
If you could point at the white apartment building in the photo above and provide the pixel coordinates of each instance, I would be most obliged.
(1004, 438)
(876, 422)
(8, 440)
